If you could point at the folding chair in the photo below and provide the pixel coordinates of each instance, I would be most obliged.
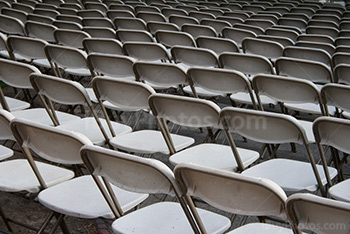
(153, 27)
(126, 35)
(148, 51)
(40, 18)
(71, 38)
(237, 34)
(129, 23)
(263, 23)
(316, 38)
(11, 25)
(256, 29)
(67, 25)
(318, 214)
(30, 49)
(179, 20)
(160, 217)
(18, 14)
(218, 45)
(70, 60)
(265, 197)
(100, 32)
(197, 113)
(332, 132)
(218, 25)
(16, 75)
(40, 30)
(274, 128)
(283, 32)
(103, 46)
(199, 30)
(307, 53)
(330, 31)
(340, 73)
(173, 38)
(111, 14)
(284, 41)
(340, 58)
(73, 93)
(299, 23)
(269, 49)
(78, 197)
(231, 19)
(90, 13)
(98, 22)
(191, 56)
(151, 16)
(330, 48)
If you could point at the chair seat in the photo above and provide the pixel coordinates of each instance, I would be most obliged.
(311, 108)
(81, 198)
(200, 92)
(39, 115)
(88, 126)
(149, 142)
(5, 152)
(214, 156)
(245, 99)
(15, 104)
(261, 228)
(41, 63)
(78, 71)
(341, 191)
(167, 218)
(17, 175)
(291, 175)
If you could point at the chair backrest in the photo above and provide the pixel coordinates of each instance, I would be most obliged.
(111, 14)
(191, 56)
(248, 64)
(330, 48)
(269, 49)
(16, 74)
(68, 37)
(263, 23)
(305, 69)
(286, 89)
(18, 14)
(151, 16)
(125, 35)
(217, 24)
(237, 34)
(340, 58)
(291, 34)
(117, 66)
(40, 30)
(103, 46)
(32, 48)
(90, 13)
(330, 31)
(341, 72)
(179, 20)
(67, 25)
(336, 95)
(129, 23)
(316, 38)
(153, 27)
(218, 45)
(40, 18)
(197, 30)
(100, 32)
(43, 140)
(299, 23)
(318, 214)
(160, 74)
(313, 54)
(174, 38)
(149, 51)
(98, 22)
(284, 41)
(228, 191)
(256, 29)
(11, 25)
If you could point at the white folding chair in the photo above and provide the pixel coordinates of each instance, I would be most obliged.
(237, 34)
(308, 53)
(78, 197)
(233, 193)
(124, 170)
(68, 37)
(274, 128)
(197, 113)
(73, 93)
(40, 30)
(147, 51)
(103, 46)
(126, 35)
(218, 45)
(308, 212)
(174, 38)
(11, 25)
(269, 49)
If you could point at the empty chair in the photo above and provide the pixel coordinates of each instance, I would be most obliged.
(340, 57)
(168, 11)
(269, 49)
(325, 23)
(96, 6)
(159, 179)
(68, 197)
(330, 31)
(66, 59)
(263, 16)
(72, 38)
(307, 53)
(40, 30)
(179, 20)
(70, 10)
(299, 23)
(103, 46)
(117, 66)
(304, 10)
(291, 34)
(324, 46)
(201, 15)
(256, 29)
(218, 45)
(70, 18)
(341, 41)
(239, 14)
(269, 198)
(90, 13)
(100, 32)
(191, 56)
(11, 25)
(290, 28)
(173, 38)
(218, 25)
(231, 19)
(119, 6)
(129, 23)
(314, 213)
(263, 23)
(30, 49)
(73, 93)
(18, 14)
(341, 72)
(151, 16)
(67, 25)
(98, 22)
(284, 41)
(292, 175)
(41, 18)
(193, 112)
(199, 30)
(119, 13)
(153, 27)
(46, 12)
(296, 16)
(22, 7)
(304, 69)
(146, 9)
(316, 38)
(126, 35)
(237, 34)
(148, 51)
(333, 96)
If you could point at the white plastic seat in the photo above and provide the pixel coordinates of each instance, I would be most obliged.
(73, 93)
(11, 25)
(313, 213)
(147, 51)
(174, 38)
(218, 45)
(195, 113)
(269, 49)
(306, 53)
(237, 34)
(103, 46)
(40, 30)
(234, 193)
(159, 217)
(71, 38)
(274, 128)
